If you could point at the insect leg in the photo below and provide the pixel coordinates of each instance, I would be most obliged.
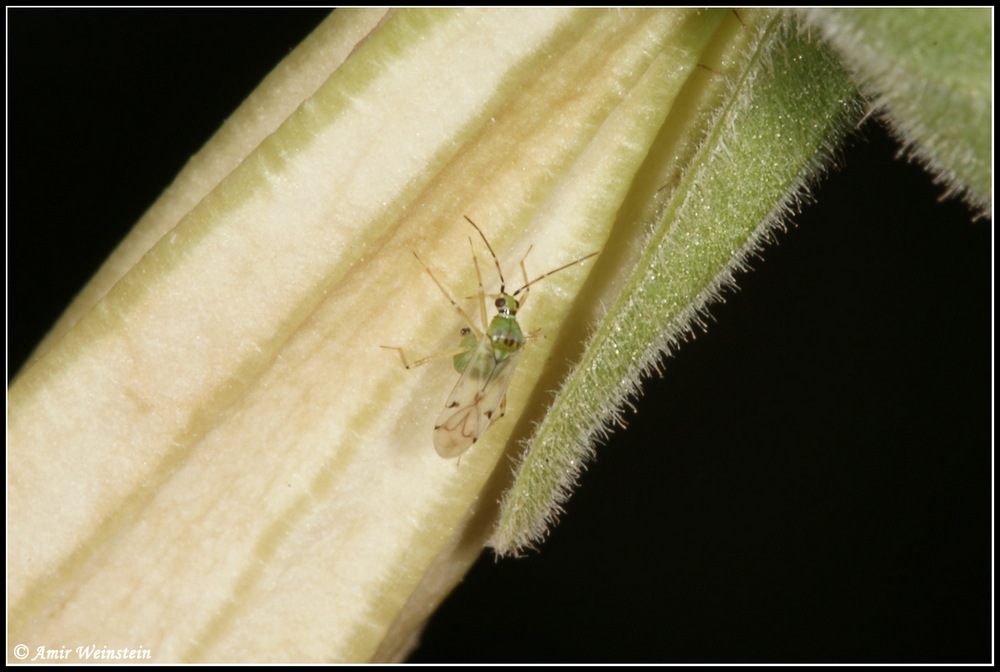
(482, 294)
(468, 320)
(524, 274)
(428, 358)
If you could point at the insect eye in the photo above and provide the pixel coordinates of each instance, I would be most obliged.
(501, 303)
(465, 331)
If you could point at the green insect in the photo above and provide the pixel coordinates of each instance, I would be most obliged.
(486, 358)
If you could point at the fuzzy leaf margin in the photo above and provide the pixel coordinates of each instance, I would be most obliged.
(929, 71)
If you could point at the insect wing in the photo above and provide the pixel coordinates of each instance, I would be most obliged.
(473, 403)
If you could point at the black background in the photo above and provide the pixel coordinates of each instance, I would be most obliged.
(809, 481)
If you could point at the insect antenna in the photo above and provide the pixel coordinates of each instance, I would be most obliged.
(496, 262)
(548, 273)
(527, 283)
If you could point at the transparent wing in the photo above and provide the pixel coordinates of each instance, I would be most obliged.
(473, 403)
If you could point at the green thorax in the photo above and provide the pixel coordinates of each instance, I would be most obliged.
(504, 332)
(503, 338)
